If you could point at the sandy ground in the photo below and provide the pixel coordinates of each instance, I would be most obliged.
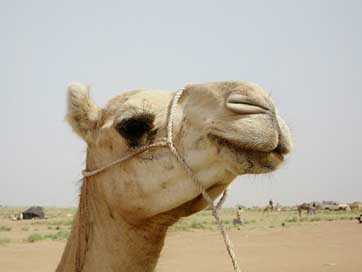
(322, 246)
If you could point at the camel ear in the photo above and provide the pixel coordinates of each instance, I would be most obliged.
(82, 113)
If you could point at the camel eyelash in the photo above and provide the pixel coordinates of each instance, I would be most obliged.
(134, 128)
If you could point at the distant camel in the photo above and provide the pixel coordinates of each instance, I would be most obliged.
(310, 208)
(355, 206)
(268, 209)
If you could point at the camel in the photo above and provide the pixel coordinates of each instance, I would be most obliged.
(355, 206)
(221, 130)
(267, 210)
(310, 208)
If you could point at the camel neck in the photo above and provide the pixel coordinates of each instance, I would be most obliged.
(101, 241)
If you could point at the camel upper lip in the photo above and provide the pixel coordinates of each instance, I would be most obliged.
(242, 105)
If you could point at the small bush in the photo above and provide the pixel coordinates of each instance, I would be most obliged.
(38, 222)
(197, 225)
(5, 228)
(205, 213)
(178, 227)
(346, 217)
(34, 237)
(60, 235)
(292, 220)
(4, 241)
(24, 228)
(67, 222)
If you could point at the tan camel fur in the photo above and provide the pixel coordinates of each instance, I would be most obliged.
(221, 129)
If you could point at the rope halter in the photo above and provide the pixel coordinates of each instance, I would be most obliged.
(168, 142)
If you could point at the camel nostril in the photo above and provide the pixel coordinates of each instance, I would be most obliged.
(243, 105)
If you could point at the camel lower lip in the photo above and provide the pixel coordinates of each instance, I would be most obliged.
(224, 142)
(268, 159)
(234, 145)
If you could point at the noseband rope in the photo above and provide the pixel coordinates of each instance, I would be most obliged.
(168, 142)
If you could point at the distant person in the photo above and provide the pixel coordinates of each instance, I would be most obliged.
(238, 213)
(271, 205)
(238, 221)
(313, 209)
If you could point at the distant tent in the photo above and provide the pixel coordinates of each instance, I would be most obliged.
(33, 212)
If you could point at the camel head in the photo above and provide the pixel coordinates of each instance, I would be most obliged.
(222, 130)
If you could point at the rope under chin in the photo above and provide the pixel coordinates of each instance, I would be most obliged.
(168, 142)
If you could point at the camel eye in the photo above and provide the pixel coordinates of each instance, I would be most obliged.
(135, 128)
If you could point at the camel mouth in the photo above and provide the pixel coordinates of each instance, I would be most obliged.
(258, 161)
(229, 144)
(238, 148)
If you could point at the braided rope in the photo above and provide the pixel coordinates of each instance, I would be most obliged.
(222, 200)
(202, 190)
(128, 156)
(169, 143)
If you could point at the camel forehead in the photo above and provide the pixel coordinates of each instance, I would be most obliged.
(227, 86)
(157, 101)
(139, 100)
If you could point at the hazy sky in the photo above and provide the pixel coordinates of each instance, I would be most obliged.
(308, 54)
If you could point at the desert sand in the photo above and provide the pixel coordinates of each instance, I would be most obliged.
(317, 246)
